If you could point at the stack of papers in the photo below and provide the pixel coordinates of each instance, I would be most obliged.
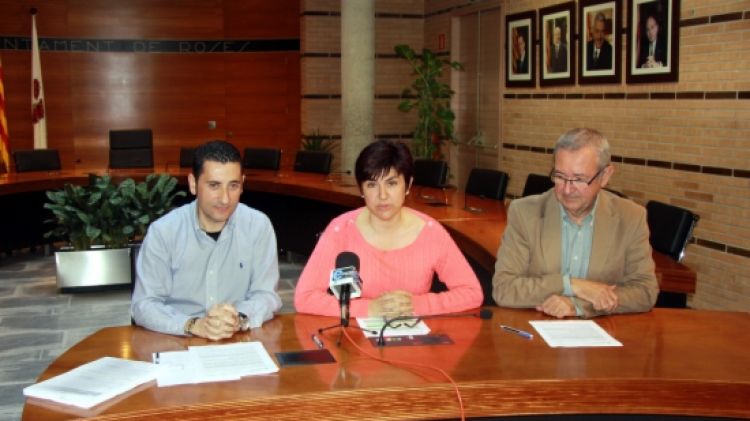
(374, 324)
(94, 383)
(573, 333)
(213, 363)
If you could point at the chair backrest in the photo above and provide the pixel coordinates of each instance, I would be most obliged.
(313, 161)
(430, 173)
(37, 160)
(186, 157)
(131, 148)
(490, 184)
(671, 228)
(537, 184)
(262, 158)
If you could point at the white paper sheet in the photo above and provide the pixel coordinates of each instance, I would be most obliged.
(95, 382)
(376, 323)
(184, 367)
(213, 363)
(573, 333)
(239, 359)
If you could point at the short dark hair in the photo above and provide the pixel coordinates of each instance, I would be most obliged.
(214, 150)
(377, 158)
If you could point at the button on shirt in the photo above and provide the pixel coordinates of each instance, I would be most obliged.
(182, 272)
(576, 249)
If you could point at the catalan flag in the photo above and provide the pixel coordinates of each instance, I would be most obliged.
(4, 140)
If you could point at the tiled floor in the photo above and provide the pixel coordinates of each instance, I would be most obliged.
(37, 323)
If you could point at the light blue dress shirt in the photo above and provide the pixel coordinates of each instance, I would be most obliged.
(181, 272)
(576, 250)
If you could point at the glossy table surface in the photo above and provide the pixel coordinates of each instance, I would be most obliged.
(673, 361)
(477, 233)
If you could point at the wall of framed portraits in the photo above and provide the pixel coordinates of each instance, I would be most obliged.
(668, 82)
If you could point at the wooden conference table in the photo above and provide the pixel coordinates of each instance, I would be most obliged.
(478, 234)
(672, 362)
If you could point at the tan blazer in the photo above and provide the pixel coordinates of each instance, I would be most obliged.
(528, 264)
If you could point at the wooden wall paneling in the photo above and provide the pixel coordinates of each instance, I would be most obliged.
(12, 20)
(51, 19)
(190, 93)
(173, 94)
(58, 109)
(250, 19)
(146, 19)
(17, 83)
(262, 100)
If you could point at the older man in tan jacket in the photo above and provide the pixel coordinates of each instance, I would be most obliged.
(576, 249)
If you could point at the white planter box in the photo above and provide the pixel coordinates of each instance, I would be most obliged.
(93, 268)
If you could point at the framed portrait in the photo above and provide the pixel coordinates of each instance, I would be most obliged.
(653, 53)
(557, 51)
(599, 58)
(519, 50)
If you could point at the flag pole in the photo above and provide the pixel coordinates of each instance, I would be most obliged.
(38, 112)
(4, 137)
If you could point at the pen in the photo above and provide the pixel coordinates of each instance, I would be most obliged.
(519, 332)
(318, 342)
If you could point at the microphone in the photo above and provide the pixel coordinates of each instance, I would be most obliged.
(345, 283)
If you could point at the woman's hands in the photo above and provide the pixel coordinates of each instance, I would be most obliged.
(391, 304)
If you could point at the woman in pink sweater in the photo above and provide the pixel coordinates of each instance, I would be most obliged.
(399, 249)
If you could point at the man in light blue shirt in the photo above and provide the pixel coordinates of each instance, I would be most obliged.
(208, 268)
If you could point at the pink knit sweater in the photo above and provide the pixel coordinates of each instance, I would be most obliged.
(409, 268)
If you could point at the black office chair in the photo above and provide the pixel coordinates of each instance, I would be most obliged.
(431, 173)
(537, 184)
(186, 157)
(313, 161)
(37, 160)
(131, 148)
(485, 183)
(671, 228)
(263, 159)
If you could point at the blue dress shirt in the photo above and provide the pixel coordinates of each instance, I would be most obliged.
(181, 272)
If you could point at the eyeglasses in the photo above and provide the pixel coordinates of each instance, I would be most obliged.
(395, 323)
(579, 183)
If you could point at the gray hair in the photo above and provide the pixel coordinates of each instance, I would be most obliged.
(575, 139)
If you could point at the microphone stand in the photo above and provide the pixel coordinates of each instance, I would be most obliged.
(344, 301)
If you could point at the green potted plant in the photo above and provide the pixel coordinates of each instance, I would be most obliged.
(431, 98)
(317, 142)
(99, 221)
